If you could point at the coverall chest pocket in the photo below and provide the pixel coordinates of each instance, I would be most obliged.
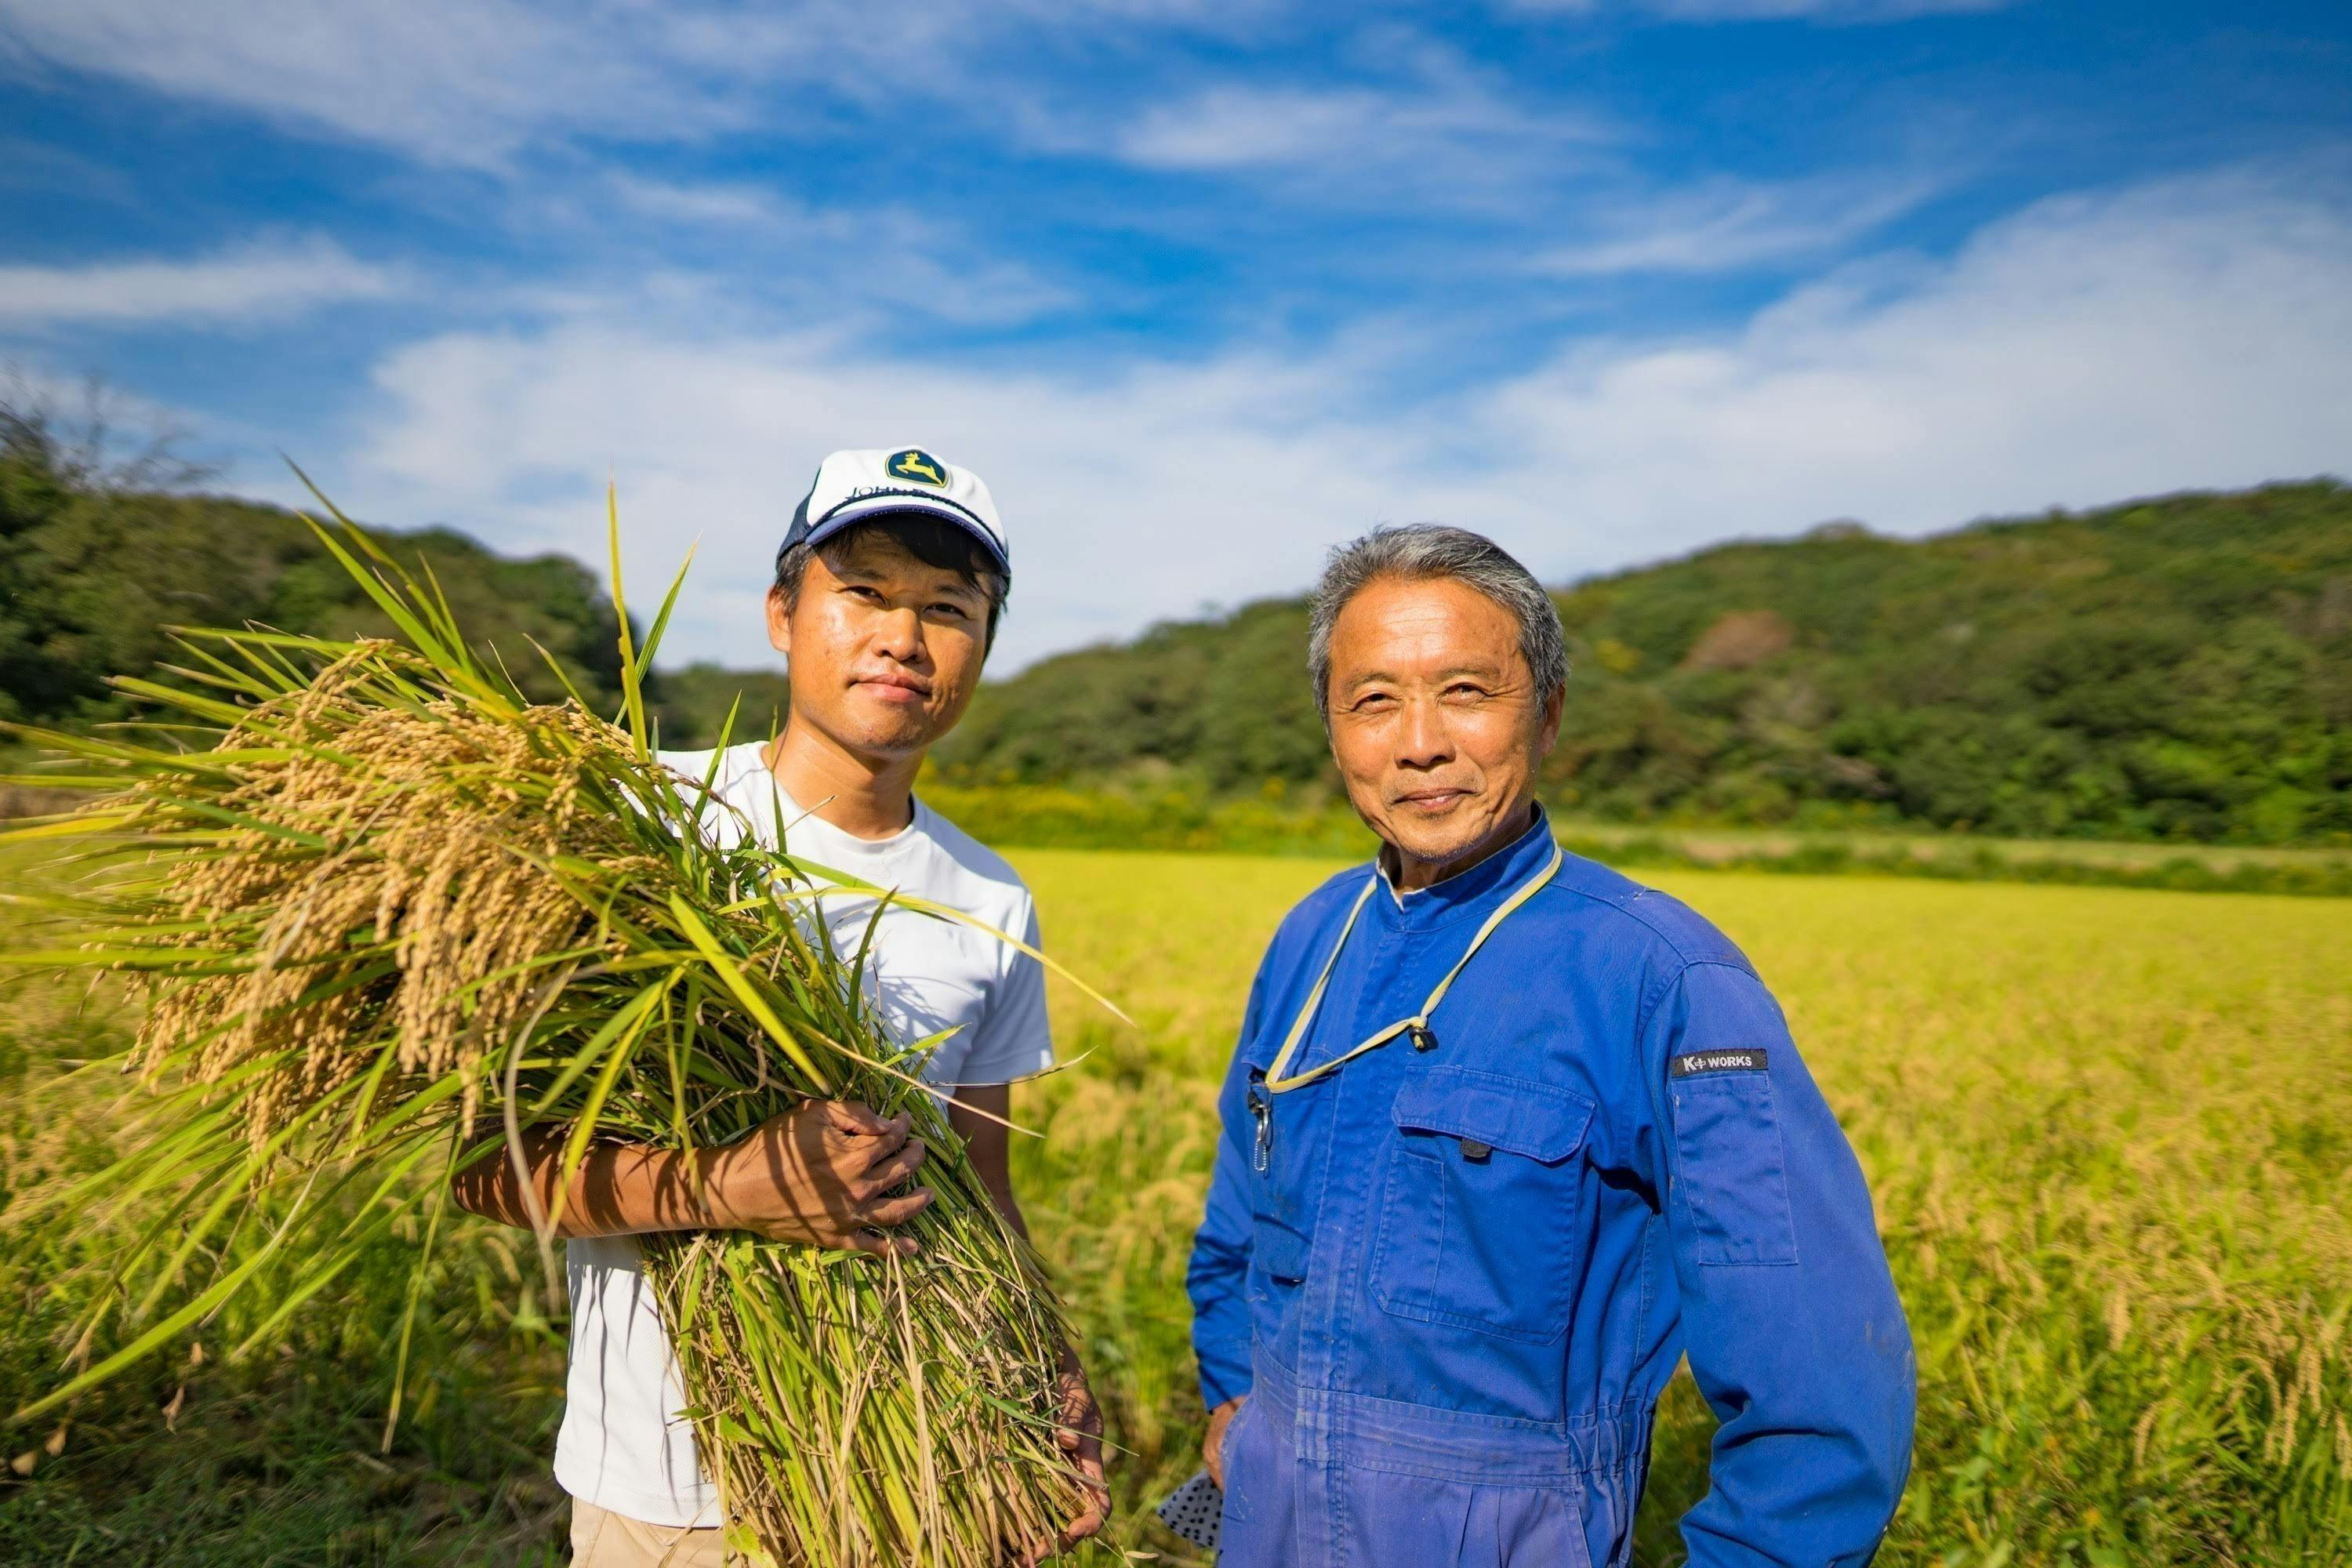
(1280, 1228)
(1480, 1203)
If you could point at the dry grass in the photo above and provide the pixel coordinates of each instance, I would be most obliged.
(2110, 1135)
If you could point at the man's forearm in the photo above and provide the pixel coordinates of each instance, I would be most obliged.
(830, 1174)
(1001, 1190)
(978, 1114)
(1216, 1279)
(619, 1189)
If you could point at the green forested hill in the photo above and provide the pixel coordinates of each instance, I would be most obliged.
(2175, 669)
(91, 577)
(2172, 668)
(90, 581)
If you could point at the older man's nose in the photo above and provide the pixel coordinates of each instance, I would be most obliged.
(1422, 741)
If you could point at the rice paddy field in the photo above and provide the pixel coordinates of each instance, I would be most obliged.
(2110, 1132)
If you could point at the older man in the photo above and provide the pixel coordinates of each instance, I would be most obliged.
(1507, 1135)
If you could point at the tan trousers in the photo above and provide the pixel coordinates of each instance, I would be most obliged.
(601, 1539)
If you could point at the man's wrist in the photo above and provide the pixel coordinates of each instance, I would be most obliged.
(1216, 1391)
(706, 1176)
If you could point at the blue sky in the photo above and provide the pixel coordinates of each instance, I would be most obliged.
(1201, 289)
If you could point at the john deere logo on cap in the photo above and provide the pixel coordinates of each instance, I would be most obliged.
(917, 465)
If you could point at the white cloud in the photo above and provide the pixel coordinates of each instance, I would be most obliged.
(1721, 225)
(1130, 497)
(2089, 349)
(265, 281)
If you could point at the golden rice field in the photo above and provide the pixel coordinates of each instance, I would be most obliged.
(2110, 1134)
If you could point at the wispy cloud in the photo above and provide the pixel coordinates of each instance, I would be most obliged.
(458, 81)
(28, 165)
(797, 257)
(1419, 124)
(1233, 126)
(471, 82)
(1823, 11)
(733, 204)
(1725, 225)
(265, 281)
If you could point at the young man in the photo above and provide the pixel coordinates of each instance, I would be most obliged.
(888, 588)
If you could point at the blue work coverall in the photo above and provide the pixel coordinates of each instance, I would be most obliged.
(1454, 1280)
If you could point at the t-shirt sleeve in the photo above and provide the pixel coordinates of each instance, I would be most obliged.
(1012, 1039)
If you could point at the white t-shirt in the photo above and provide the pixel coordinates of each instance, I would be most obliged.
(623, 1446)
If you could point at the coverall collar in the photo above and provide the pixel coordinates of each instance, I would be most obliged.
(1467, 892)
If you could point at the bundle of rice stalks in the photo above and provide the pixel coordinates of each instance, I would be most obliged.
(391, 917)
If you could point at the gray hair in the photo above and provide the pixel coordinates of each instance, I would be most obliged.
(1422, 551)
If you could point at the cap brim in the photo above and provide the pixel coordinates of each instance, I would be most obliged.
(865, 508)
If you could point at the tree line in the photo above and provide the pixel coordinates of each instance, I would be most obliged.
(2176, 669)
(101, 557)
(2173, 668)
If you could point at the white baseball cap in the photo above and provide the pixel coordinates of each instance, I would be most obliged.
(851, 487)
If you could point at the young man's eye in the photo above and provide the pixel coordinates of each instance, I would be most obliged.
(944, 607)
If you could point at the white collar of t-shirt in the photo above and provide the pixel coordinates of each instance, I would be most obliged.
(746, 783)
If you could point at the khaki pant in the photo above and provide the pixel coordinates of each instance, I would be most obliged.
(601, 1539)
